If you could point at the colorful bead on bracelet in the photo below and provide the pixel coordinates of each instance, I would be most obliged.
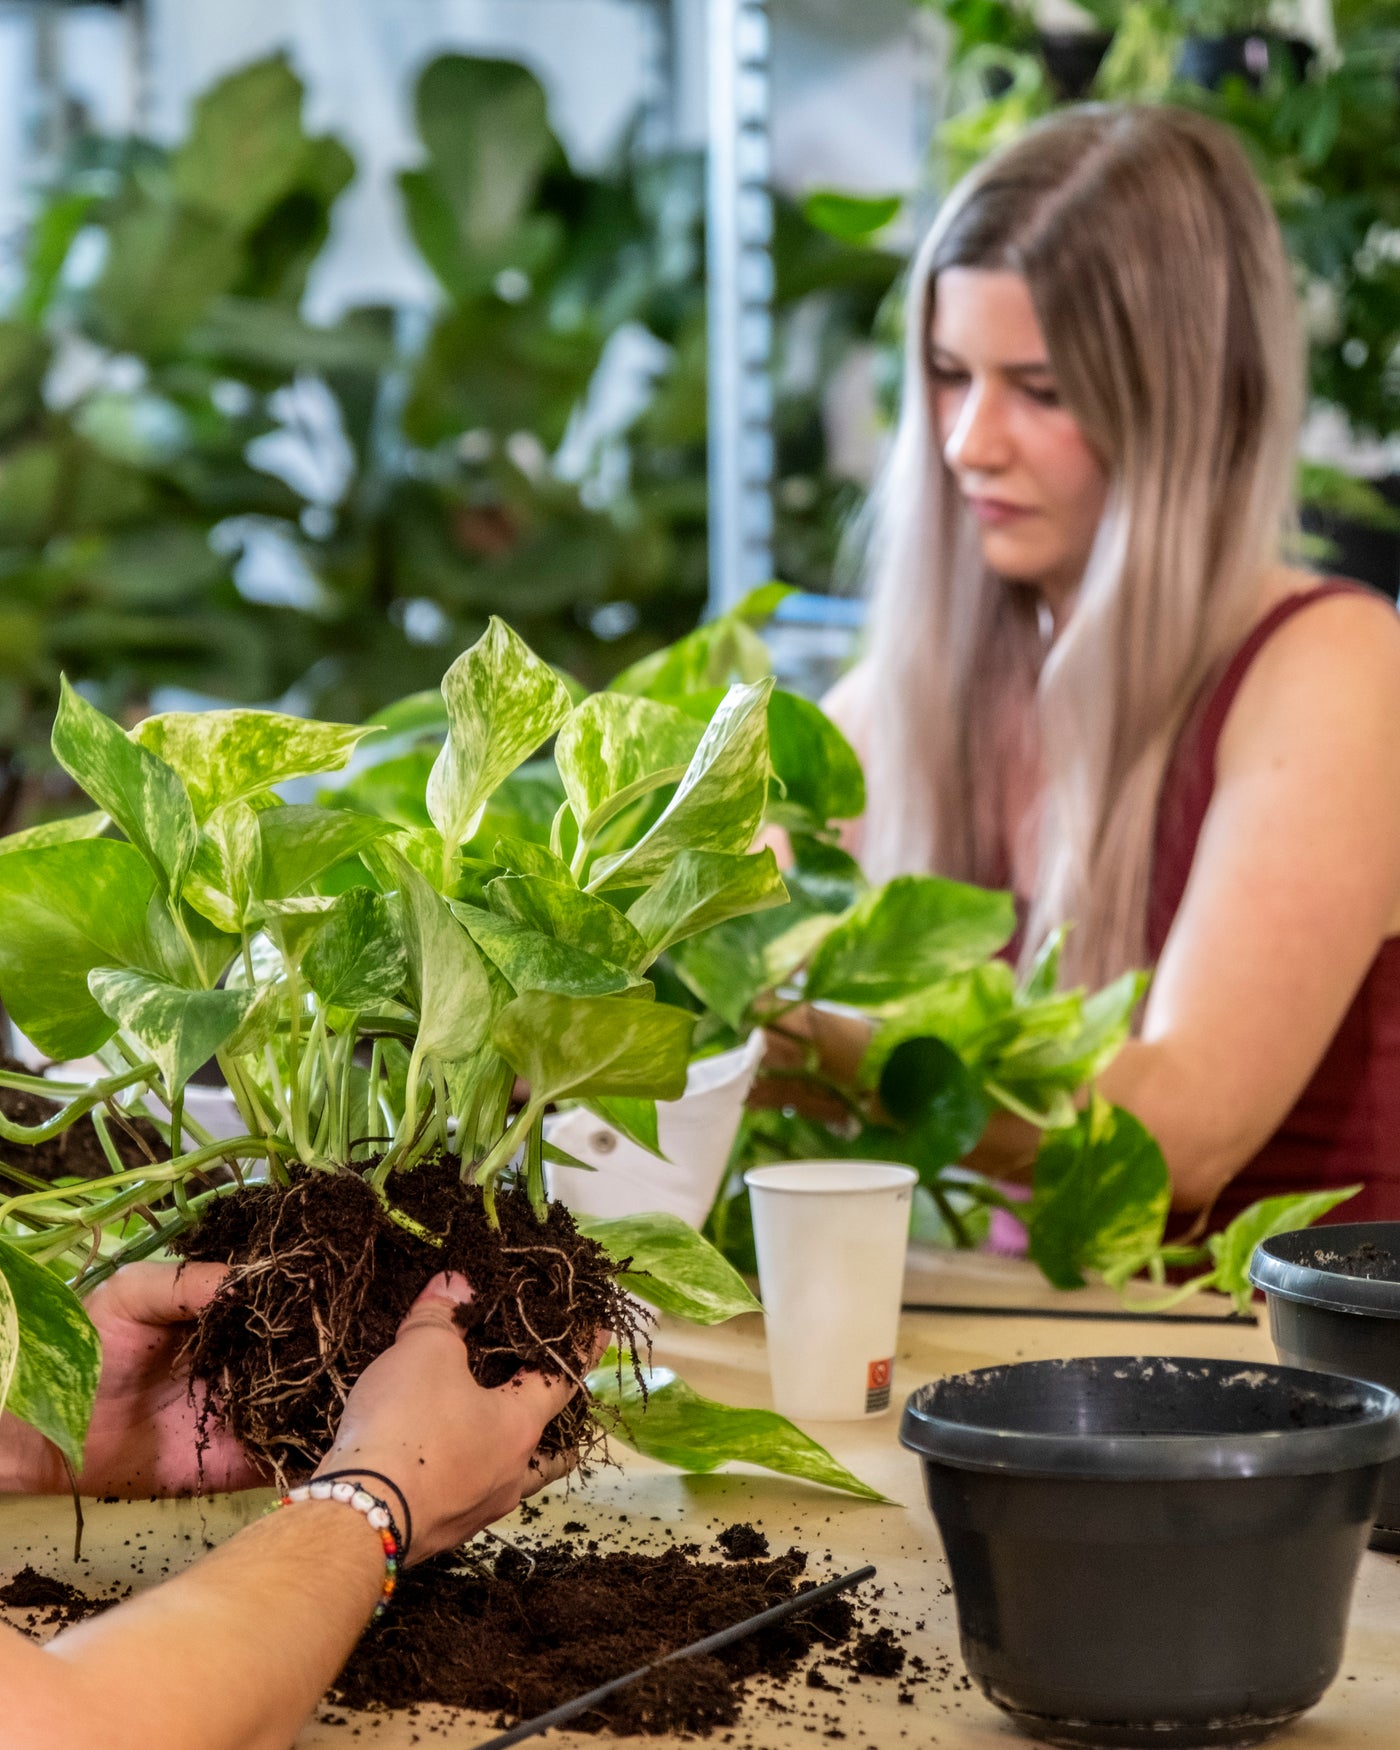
(375, 1510)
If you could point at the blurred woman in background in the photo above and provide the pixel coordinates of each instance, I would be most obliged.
(1092, 678)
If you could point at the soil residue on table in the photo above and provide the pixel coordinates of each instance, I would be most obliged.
(62, 1604)
(322, 1278)
(519, 1641)
(76, 1152)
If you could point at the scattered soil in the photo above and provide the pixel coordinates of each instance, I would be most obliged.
(1367, 1260)
(75, 1152)
(517, 1642)
(65, 1604)
(322, 1278)
(742, 1542)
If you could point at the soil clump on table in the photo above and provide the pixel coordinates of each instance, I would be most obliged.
(64, 1604)
(518, 1641)
(1367, 1259)
(76, 1152)
(322, 1278)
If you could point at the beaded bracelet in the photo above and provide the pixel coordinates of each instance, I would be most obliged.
(350, 1494)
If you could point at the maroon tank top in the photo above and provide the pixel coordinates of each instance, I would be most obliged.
(1345, 1127)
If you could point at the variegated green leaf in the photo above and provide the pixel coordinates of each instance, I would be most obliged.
(615, 749)
(454, 995)
(560, 910)
(67, 908)
(56, 832)
(50, 1355)
(227, 756)
(718, 804)
(181, 1029)
(143, 795)
(568, 1047)
(502, 702)
(671, 1266)
(701, 889)
(356, 959)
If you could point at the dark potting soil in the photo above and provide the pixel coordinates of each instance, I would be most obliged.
(517, 1642)
(742, 1542)
(65, 1604)
(75, 1152)
(1366, 1260)
(322, 1278)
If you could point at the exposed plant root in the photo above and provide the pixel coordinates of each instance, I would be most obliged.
(321, 1279)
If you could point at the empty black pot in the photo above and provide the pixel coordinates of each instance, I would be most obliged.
(1152, 1551)
(1334, 1304)
(1250, 55)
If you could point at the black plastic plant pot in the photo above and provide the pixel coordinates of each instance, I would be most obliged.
(1334, 1304)
(1072, 59)
(1250, 55)
(1151, 1551)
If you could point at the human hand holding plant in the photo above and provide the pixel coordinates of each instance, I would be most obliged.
(461, 1454)
(142, 1437)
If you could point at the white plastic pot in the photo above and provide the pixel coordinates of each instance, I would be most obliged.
(696, 1134)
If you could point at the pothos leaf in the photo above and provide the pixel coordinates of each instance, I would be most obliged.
(182, 1029)
(1100, 1198)
(633, 1118)
(141, 793)
(227, 756)
(50, 1355)
(677, 1426)
(581, 1046)
(672, 1267)
(1234, 1246)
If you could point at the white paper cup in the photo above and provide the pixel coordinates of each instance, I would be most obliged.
(831, 1238)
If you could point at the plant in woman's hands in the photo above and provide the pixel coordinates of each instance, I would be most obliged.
(370, 992)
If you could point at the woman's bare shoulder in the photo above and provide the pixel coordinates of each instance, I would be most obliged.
(1332, 667)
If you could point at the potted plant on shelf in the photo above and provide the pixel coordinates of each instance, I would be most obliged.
(371, 993)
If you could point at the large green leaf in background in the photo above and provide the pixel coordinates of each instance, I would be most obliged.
(181, 1029)
(454, 995)
(905, 935)
(502, 702)
(816, 766)
(486, 128)
(227, 756)
(614, 749)
(927, 1088)
(50, 1355)
(677, 1426)
(702, 889)
(1232, 1248)
(577, 1046)
(66, 909)
(672, 1267)
(141, 793)
(724, 649)
(1100, 1199)
(718, 804)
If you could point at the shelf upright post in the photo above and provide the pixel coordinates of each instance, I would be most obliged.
(739, 232)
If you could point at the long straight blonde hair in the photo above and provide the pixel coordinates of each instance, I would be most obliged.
(1159, 279)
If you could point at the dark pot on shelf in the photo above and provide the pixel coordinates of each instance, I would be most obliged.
(1359, 550)
(1250, 55)
(1334, 1304)
(1151, 1551)
(1072, 59)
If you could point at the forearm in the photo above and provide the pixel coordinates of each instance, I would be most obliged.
(232, 1654)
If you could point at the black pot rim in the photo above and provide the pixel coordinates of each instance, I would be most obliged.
(1277, 1269)
(1373, 1438)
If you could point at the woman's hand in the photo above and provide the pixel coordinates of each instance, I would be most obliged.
(462, 1454)
(143, 1439)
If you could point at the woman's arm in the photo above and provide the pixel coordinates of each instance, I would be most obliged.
(234, 1653)
(1295, 883)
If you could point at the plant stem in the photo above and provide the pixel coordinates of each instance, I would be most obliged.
(488, 1169)
(96, 1094)
(534, 1174)
(440, 1101)
(373, 1116)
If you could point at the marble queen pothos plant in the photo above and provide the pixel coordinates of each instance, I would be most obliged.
(371, 992)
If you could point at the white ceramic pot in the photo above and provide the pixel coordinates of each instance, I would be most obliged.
(696, 1134)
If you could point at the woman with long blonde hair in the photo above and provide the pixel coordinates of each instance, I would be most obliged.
(1092, 678)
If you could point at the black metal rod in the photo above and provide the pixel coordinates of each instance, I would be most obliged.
(1121, 1314)
(570, 1710)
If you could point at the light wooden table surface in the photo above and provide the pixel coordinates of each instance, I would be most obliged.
(138, 1541)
